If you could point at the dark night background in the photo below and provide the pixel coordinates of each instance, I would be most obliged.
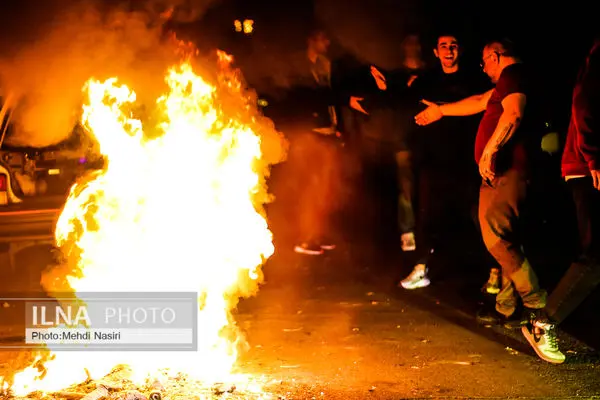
(555, 38)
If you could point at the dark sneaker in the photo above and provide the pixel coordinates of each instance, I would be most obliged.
(541, 335)
(492, 286)
(487, 316)
(311, 249)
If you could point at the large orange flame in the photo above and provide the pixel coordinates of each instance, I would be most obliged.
(178, 207)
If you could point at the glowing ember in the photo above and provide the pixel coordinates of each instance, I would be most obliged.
(178, 207)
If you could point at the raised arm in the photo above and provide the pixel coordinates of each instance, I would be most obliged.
(469, 106)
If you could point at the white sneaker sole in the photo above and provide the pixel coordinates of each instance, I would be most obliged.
(541, 355)
(302, 250)
(420, 284)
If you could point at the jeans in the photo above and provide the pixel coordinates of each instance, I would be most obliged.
(382, 137)
(445, 201)
(315, 185)
(583, 276)
(405, 176)
(499, 214)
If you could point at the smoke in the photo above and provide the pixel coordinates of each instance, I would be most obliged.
(127, 39)
(87, 40)
(370, 31)
(181, 11)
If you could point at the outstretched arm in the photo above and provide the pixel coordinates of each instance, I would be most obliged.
(469, 106)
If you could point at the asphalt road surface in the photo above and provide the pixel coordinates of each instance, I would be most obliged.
(315, 332)
(354, 343)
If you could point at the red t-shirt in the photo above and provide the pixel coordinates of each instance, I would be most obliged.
(512, 154)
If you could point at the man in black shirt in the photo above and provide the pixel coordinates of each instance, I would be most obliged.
(447, 179)
(386, 127)
(312, 105)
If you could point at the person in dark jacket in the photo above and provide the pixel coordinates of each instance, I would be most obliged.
(313, 105)
(387, 127)
(581, 170)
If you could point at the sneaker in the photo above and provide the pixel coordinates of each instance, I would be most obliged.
(310, 249)
(541, 335)
(408, 241)
(492, 286)
(417, 278)
(327, 245)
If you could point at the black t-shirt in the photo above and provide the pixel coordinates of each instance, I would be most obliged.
(391, 111)
(449, 142)
(395, 95)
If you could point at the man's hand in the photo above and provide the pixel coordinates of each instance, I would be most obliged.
(430, 115)
(379, 78)
(355, 104)
(596, 178)
(486, 164)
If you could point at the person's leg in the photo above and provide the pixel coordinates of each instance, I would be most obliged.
(493, 284)
(332, 193)
(583, 276)
(423, 228)
(307, 163)
(498, 216)
(406, 214)
(499, 213)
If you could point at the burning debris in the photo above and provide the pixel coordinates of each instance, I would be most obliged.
(100, 392)
(197, 227)
(117, 386)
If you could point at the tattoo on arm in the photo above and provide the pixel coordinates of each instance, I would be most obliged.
(505, 133)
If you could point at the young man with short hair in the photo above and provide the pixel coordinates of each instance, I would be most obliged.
(446, 183)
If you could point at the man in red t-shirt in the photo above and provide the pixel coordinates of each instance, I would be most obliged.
(501, 156)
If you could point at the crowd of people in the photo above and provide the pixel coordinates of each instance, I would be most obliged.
(463, 141)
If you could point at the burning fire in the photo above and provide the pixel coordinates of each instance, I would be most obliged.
(178, 207)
